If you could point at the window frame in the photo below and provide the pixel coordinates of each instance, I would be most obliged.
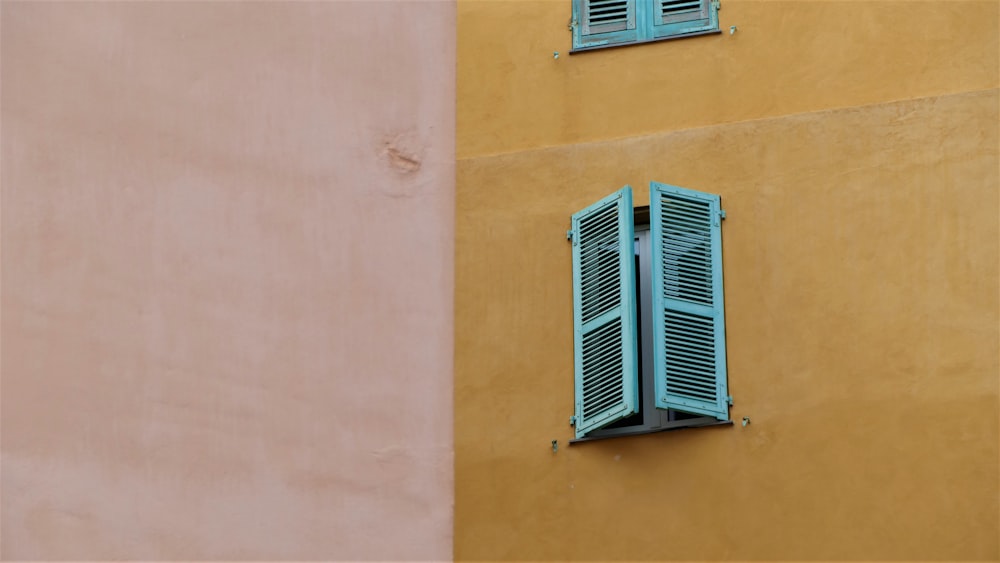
(645, 30)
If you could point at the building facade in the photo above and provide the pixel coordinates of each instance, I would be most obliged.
(292, 281)
(855, 150)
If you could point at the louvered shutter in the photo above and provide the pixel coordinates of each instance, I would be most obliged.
(679, 17)
(606, 367)
(604, 22)
(689, 332)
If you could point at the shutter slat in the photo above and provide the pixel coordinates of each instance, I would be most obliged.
(621, 10)
(606, 16)
(677, 17)
(596, 369)
(674, 6)
(604, 313)
(689, 321)
(685, 332)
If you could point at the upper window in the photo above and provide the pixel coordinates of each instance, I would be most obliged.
(604, 23)
(649, 326)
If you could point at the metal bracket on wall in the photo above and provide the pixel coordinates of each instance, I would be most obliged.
(746, 420)
(555, 446)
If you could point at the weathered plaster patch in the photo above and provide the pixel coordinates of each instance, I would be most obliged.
(402, 153)
(401, 156)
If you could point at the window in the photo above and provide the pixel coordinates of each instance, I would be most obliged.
(649, 325)
(605, 23)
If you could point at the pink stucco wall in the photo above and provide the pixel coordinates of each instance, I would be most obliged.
(227, 280)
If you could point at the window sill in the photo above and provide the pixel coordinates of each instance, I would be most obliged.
(641, 431)
(578, 50)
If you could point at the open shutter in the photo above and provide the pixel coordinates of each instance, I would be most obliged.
(680, 17)
(689, 332)
(604, 335)
(603, 22)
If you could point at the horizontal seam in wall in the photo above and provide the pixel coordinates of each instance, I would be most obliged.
(724, 124)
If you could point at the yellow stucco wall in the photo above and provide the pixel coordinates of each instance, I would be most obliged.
(858, 165)
(786, 57)
(861, 298)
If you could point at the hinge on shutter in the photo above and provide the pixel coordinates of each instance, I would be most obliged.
(717, 5)
(569, 235)
(729, 399)
(572, 421)
(572, 24)
(719, 217)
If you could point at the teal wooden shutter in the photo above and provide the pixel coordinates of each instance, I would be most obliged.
(604, 335)
(680, 17)
(604, 22)
(689, 332)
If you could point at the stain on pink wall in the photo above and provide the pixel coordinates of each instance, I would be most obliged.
(227, 280)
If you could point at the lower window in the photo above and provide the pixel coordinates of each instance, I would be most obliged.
(649, 418)
(649, 325)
